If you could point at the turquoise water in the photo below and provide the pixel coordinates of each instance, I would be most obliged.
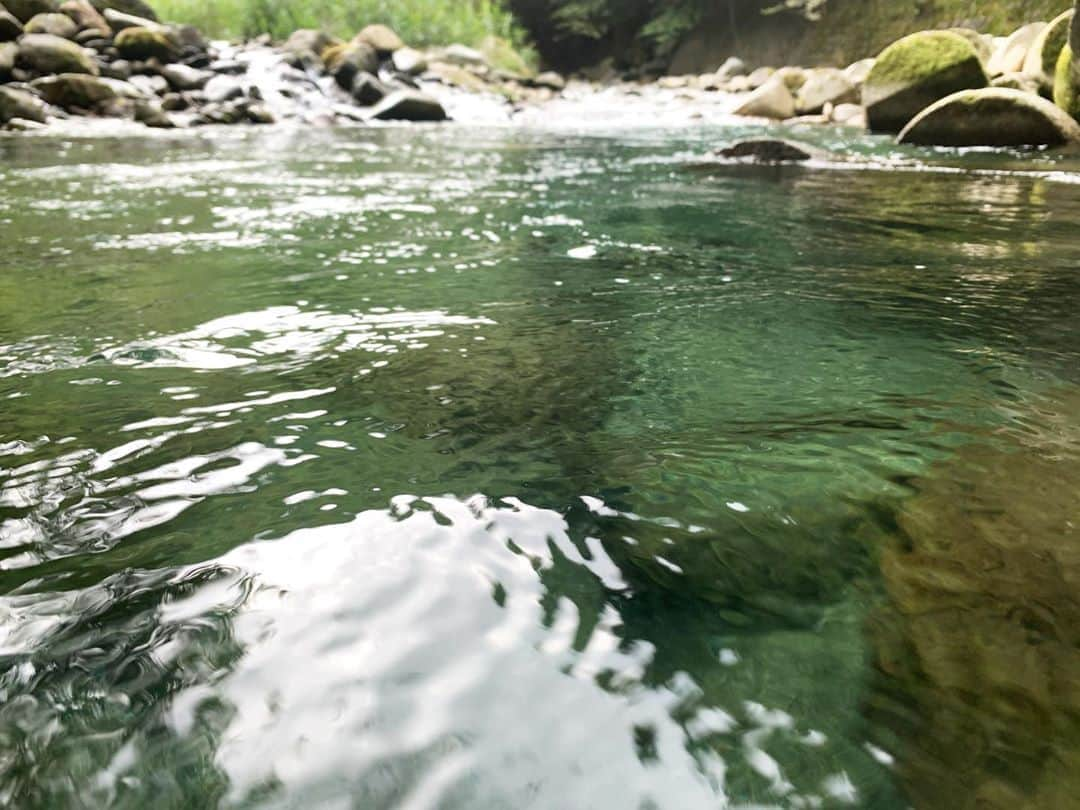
(499, 469)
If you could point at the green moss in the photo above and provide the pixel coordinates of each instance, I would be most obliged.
(1052, 40)
(919, 56)
(1067, 83)
(143, 43)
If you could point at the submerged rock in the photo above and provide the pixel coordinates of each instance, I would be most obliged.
(772, 100)
(183, 77)
(19, 104)
(916, 71)
(769, 150)
(138, 8)
(46, 53)
(1042, 57)
(409, 105)
(992, 116)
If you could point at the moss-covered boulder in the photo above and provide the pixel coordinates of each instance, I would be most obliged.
(45, 53)
(10, 28)
(382, 38)
(145, 43)
(26, 10)
(74, 90)
(345, 61)
(914, 72)
(1067, 83)
(20, 104)
(991, 116)
(1042, 57)
(59, 25)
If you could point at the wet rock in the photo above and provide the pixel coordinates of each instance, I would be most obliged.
(1017, 81)
(145, 43)
(59, 25)
(10, 28)
(345, 61)
(1010, 56)
(46, 53)
(21, 104)
(772, 100)
(409, 105)
(551, 80)
(117, 69)
(368, 90)
(824, 86)
(768, 150)
(308, 44)
(1042, 57)
(150, 85)
(74, 90)
(26, 10)
(382, 38)
(992, 116)
(86, 17)
(409, 61)
(91, 38)
(8, 52)
(184, 77)
(223, 88)
(151, 114)
(916, 71)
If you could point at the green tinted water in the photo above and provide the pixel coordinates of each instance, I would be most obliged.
(484, 469)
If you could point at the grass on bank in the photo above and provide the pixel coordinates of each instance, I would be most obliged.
(418, 22)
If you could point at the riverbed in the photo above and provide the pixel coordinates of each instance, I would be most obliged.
(527, 467)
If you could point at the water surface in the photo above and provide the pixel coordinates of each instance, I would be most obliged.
(451, 468)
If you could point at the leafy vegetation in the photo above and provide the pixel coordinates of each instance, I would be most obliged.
(419, 22)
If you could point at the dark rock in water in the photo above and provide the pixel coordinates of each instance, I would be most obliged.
(146, 43)
(74, 90)
(768, 150)
(59, 25)
(10, 28)
(26, 10)
(409, 105)
(46, 53)
(409, 61)
(21, 104)
(992, 116)
(368, 90)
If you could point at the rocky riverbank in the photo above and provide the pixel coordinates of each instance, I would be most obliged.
(84, 65)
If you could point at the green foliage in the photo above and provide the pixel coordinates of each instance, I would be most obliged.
(419, 22)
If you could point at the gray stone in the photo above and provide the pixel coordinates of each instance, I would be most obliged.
(74, 90)
(21, 104)
(409, 105)
(136, 8)
(368, 90)
(10, 28)
(223, 88)
(86, 17)
(344, 62)
(150, 85)
(1017, 81)
(308, 44)
(59, 25)
(409, 61)
(857, 72)
(183, 77)
(772, 100)
(46, 53)
(8, 52)
(1042, 57)
(768, 150)
(462, 56)
(824, 86)
(759, 77)
(992, 116)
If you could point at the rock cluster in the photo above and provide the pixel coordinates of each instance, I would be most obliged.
(116, 59)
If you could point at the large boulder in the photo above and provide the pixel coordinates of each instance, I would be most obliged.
(991, 116)
(382, 38)
(59, 25)
(74, 90)
(86, 17)
(824, 86)
(914, 72)
(21, 104)
(409, 105)
(1042, 56)
(45, 53)
(772, 100)
(344, 62)
(10, 28)
(1011, 55)
(26, 10)
(146, 43)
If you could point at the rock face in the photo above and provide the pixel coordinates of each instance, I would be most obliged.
(1042, 57)
(772, 100)
(824, 86)
(20, 104)
(45, 53)
(380, 37)
(916, 71)
(409, 105)
(74, 90)
(144, 43)
(992, 116)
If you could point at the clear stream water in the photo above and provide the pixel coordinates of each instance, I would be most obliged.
(501, 468)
